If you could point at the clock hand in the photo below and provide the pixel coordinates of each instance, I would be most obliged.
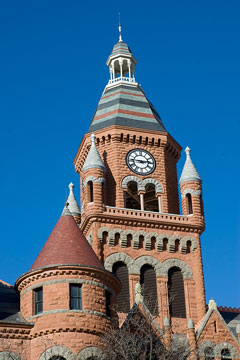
(141, 161)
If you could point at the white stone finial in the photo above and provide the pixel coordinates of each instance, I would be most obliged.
(187, 151)
(71, 186)
(119, 28)
(212, 304)
(138, 294)
(93, 138)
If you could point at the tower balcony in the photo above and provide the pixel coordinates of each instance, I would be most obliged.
(122, 80)
(153, 219)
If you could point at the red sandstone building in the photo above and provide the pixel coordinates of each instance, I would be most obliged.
(129, 231)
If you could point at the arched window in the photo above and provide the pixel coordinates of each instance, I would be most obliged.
(209, 354)
(149, 286)
(189, 203)
(165, 244)
(90, 191)
(177, 245)
(189, 247)
(132, 199)
(225, 354)
(120, 270)
(150, 200)
(176, 296)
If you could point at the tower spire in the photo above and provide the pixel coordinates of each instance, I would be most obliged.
(119, 28)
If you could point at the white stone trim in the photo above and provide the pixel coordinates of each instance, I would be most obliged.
(93, 179)
(9, 355)
(136, 238)
(171, 242)
(150, 260)
(90, 351)
(113, 258)
(158, 186)
(111, 235)
(141, 184)
(124, 235)
(227, 346)
(89, 238)
(169, 263)
(205, 345)
(159, 241)
(58, 351)
(101, 231)
(148, 240)
(127, 179)
(183, 244)
(192, 192)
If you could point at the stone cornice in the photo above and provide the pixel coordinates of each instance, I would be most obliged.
(152, 223)
(167, 140)
(72, 269)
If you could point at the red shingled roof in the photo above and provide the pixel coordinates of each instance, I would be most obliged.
(67, 245)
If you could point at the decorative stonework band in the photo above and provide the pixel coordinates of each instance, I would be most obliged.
(148, 239)
(64, 281)
(89, 353)
(134, 266)
(217, 349)
(93, 179)
(141, 184)
(9, 355)
(192, 192)
(61, 311)
(61, 351)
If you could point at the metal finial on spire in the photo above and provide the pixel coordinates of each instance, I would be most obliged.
(119, 28)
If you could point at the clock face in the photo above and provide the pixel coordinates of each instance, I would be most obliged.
(140, 161)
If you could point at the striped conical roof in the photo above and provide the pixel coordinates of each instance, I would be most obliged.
(126, 105)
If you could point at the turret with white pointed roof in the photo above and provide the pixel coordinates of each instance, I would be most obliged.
(73, 206)
(189, 172)
(93, 160)
(191, 190)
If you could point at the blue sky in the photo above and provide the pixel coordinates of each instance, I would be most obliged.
(52, 74)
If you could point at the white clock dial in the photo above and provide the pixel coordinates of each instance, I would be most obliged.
(140, 161)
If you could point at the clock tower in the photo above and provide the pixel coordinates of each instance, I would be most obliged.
(129, 200)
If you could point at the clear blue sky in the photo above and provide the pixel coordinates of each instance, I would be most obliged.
(52, 74)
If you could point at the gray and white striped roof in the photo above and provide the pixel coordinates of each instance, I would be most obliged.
(189, 172)
(126, 105)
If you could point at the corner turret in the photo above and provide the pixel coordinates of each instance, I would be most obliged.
(191, 189)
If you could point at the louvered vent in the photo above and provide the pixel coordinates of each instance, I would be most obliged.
(120, 270)
(176, 294)
(149, 285)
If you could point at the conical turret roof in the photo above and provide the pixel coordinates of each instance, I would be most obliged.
(189, 172)
(66, 245)
(93, 160)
